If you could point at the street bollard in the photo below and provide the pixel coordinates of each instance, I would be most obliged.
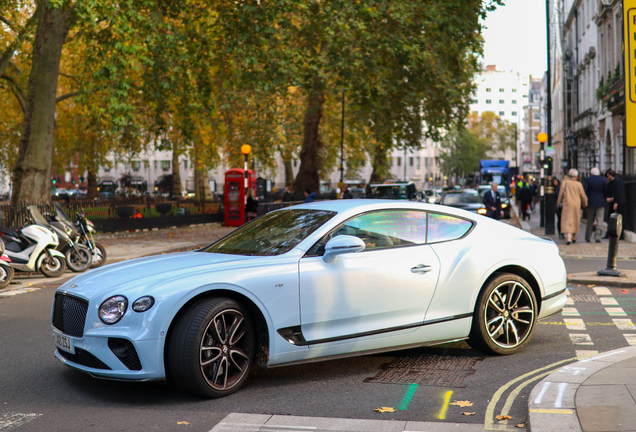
(614, 230)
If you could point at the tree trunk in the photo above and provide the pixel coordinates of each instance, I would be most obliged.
(92, 185)
(379, 163)
(176, 175)
(308, 177)
(289, 172)
(32, 171)
(201, 185)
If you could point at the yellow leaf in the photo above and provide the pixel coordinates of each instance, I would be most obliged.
(462, 403)
(468, 413)
(183, 422)
(520, 425)
(591, 286)
(385, 409)
(503, 417)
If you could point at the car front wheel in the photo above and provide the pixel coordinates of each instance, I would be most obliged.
(505, 315)
(211, 348)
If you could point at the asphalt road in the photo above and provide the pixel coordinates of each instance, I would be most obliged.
(420, 384)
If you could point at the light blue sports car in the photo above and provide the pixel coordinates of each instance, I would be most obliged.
(306, 283)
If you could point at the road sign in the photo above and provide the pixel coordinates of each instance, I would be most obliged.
(629, 19)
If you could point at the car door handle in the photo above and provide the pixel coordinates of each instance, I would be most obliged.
(421, 268)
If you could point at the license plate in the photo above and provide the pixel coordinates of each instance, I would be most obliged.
(64, 342)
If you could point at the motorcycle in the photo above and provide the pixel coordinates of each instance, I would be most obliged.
(6, 271)
(78, 257)
(32, 249)
(85, 229)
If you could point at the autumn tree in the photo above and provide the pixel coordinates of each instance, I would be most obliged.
(498, 133)
(461, 152)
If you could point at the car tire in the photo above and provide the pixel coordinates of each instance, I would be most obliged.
(211, 349)
(505, 315)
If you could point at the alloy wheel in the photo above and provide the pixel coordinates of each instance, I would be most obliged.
(225, 350)
(510, 314)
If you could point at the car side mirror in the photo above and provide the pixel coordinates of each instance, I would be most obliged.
(342, 244)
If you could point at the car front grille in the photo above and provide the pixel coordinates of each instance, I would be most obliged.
(83, 358)
(69, 314)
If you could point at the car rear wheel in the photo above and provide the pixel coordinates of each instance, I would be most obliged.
(505, 315)
(211, 348)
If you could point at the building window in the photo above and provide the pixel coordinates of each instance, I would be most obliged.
(502, 113)
(390, 161)
(501, 101)
(525, 96)
(536, 97)
(165, 165)
(536, 116)
(514, 90)
(155, 164)
(488, 101)
(146, 164)
(411, 161)
(514, 102)
(399, 161)
(106, 168)
(135, 165)
(514, 113)
(488, 90)
(501, 90)
(418, 162)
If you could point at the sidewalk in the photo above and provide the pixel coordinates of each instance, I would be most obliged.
(582, 249)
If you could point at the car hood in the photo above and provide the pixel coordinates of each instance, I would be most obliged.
(151, 270)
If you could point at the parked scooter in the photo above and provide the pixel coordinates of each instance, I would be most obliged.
(78, 257)
(32, 249)
(86, 229)
(6, 271)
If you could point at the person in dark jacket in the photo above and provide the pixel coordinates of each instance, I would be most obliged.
(346, 193)
(595, 187)
(525, 197)
(288, 195)
(616, 195)
(251, 205)
(558, 210)
(309, 195)
(492, 201)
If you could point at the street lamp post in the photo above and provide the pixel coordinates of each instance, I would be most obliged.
(246, 149)
(342, 142)
(546, 188)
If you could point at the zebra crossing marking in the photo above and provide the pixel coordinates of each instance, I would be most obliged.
(624, 324)
(608, 301)
(581, 339)
(568, 311)
(17, 291)
(575, 324)
(602, 291)
(615, 311)
(630, 338)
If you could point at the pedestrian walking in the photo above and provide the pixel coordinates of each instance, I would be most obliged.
(368, 192)
(535, 196)
(251, 205)
(346, 193)
(595, 188)
(309, 195)
(525, 198)
(492, 201)
(288, 195)
(616, 194)
(558, 209)
(573, 197)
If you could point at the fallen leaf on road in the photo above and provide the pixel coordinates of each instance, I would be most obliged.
(468, 413)
(520, 425)
(503, 417)
(624, 291)
(183, 422)
(385, 409)
(591, 286)
(462, 403)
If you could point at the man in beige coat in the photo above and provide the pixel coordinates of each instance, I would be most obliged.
(573, 198)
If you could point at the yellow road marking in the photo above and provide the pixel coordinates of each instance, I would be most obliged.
(513, 394)
(551, 411)
(442, 412)
(490, 411)
(568, 322)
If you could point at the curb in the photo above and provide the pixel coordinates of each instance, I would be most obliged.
(610, 282)
(552, 402)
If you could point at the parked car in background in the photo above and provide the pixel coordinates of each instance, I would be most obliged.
(503, 193)
(358, 192)
(467, 199)
(395, 191)
(430, 196)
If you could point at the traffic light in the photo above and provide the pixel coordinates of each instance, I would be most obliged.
(548, 166)
(53, 181)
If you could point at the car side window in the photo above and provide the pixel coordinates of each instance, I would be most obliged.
(380, 230)
(444, 227)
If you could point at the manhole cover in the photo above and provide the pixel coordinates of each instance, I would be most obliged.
(585, 298)
(428, 370)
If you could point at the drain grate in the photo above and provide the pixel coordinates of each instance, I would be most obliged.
(585, 298)
(428, 370)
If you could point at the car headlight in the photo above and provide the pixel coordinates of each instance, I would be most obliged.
(142, 304)
(504, 205)
(431, 200)
(113, 309)
(481, 211)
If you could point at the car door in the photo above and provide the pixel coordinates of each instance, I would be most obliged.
(388, 286)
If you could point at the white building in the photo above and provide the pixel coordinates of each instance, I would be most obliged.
(505, 94)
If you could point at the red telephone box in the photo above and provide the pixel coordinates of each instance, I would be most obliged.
(234, 195)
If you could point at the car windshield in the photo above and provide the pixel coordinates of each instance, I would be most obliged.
(272, 234)
(395, 192)
(462, 198)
